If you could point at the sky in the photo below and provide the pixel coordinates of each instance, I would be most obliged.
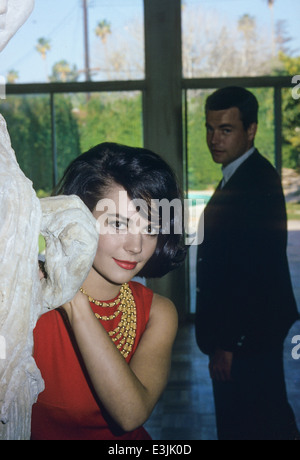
(61, 21)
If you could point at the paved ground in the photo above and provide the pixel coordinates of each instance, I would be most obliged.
(186, 410)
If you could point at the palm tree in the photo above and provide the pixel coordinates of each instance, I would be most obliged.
(271, 7)
(42, 47)
(12, 76)
(62, 71)
(102, 30)
(247, 26)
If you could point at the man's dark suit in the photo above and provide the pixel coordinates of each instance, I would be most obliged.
(245, 301)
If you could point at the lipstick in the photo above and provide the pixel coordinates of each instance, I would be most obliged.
(126, 265)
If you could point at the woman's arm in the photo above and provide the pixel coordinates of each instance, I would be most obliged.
(128, 392)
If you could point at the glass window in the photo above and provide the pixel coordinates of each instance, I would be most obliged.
(81, 122)
(223, 38)
(28, 121)
(291, 151)
(203, 174)
(109, 117)
(50, 46)
(90, 119)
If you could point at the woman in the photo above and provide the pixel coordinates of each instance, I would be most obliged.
(105, 356)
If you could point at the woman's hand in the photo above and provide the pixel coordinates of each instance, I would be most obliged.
(79, 303)
(128, 392)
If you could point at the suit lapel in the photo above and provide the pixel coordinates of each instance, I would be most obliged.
(237, 179)
(220, 206)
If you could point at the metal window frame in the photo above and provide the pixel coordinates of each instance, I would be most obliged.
(164, 93)
(277, 83)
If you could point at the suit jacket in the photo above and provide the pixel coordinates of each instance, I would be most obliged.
(245, 301)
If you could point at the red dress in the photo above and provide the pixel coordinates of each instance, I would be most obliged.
(68, 409)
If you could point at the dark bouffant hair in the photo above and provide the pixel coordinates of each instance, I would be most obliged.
(144, 175)
(235, 96)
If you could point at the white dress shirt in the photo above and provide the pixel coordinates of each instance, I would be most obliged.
(230, 169)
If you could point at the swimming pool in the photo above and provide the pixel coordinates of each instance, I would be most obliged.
(204, 195)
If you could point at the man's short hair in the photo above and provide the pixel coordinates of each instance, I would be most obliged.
(235, 96)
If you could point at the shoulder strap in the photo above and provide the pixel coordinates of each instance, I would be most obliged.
(69, 329)
(65, 319)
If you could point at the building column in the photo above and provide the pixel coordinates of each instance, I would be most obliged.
(163, 124)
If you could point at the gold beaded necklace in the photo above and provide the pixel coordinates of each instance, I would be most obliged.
(125, 332)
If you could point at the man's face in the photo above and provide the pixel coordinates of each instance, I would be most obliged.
(226, 136)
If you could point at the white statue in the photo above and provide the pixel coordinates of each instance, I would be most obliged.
(71, 241)
(13, 14)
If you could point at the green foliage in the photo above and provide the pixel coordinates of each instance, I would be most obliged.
(287, 65)
(203, 173)
(29, 124)
(62, 71)
(42, 244)
(43, 46)
(42, 193)
(291, 131)
(67, 133)
(102, 30)
(110, 118)
(264, 140)
(83, 121)
(290, 115)
(293, 211)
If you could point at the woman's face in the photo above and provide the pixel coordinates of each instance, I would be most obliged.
(125, 244)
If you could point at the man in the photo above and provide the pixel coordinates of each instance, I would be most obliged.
(245, 302)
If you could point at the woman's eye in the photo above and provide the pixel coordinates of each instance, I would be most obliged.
(118, 225)
(151, 231)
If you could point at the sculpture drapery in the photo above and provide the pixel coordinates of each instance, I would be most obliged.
(71, 242)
